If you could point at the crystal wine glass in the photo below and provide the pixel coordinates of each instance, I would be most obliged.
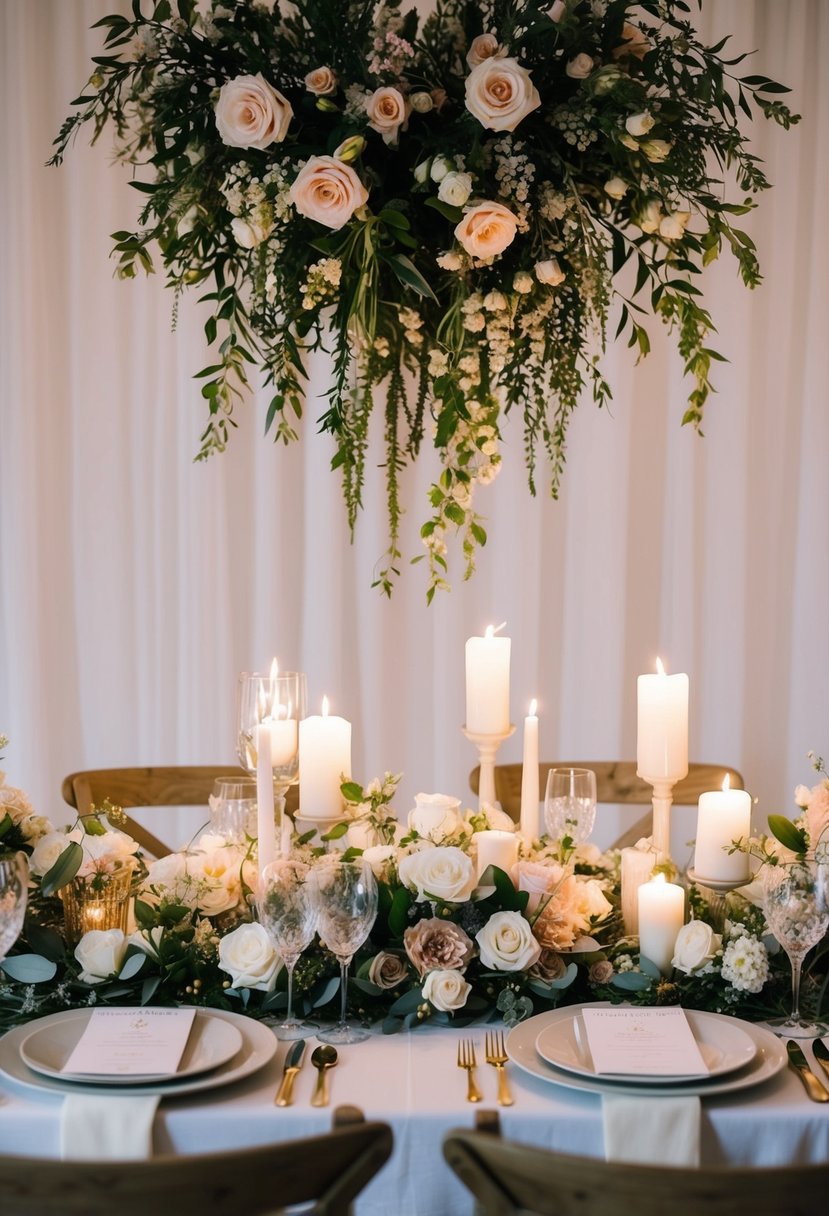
(347, 904)
(287, 906)
(796, 907)
(233, 808)
(275, 703)
(14, 884)
(570, 803)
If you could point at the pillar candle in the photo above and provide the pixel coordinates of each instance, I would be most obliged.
(487, 684)
(266, 830)
(530, 796)
(662, 730)
(637, 867)
(661, 916)
(496, 849)
(324, 763)
(724, 815)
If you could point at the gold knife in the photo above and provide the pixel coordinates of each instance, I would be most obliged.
(293, 1063)
(821, 1054)
(797, 1062)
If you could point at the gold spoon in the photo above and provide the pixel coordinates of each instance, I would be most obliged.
(323, 1058)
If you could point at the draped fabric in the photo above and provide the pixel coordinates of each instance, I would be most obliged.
(136, 584)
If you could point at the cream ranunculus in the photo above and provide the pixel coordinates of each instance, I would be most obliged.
(506, 943)
(580, 67)
(251, 113)
(487, 229)
(388, 111)
(549, 272)
(446, 990)
(100, 953)
(322, 82)
(248, 957)
(500, 93)
(640, 124)
(455, 189)
(328, 191)
(445, 874)
(696, 944)
(485, 46)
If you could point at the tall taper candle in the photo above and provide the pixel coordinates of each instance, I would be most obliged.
(264, 798)
(530, 796)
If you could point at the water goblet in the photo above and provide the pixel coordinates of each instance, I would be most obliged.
(233, 808)
(570, 803)
(347, 905)
(287, 907)
(14, 885)
(796, 907)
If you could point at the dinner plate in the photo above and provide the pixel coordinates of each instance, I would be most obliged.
(769, 1057)
(724, 1046)
(212, 1041)
(259, 1045)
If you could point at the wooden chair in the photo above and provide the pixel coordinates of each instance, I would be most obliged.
(508, 1179)
(328, 1171)
(616, 782)
(149, 787)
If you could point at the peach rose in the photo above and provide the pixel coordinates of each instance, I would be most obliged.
(633, 43)
(251, 113)
(580, 67)
(328, 191)
(500, 93)
(322, 82)
(485, 46)
(486, 229)
(388, 111)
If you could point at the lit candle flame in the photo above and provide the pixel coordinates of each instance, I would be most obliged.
(658, 878)
(325, 707)
(533, 707)
(491, 630)
(660, 669)
(726, 782)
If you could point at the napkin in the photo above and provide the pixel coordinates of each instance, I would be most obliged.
(651, 1130)
(100, 1127)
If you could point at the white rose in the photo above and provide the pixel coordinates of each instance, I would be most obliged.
(46, 852)
(695, 945)
(486, 230)
(445, 874)
(506, 943)
(656, 150)
(639, 124)
(435, 816)
(650, 216)
(440, 166)
(580, 67)
(387, 111)
(381, 858)
(421, 103)
(549, 272)
(216, 873)
(593, 905)
(322, 82)
(421, 172)
(327, 191)
(251, 113)
(166, 874)
(248, 234)
(485, 46)
(500, 93)
(248, 957)
(446, 990)
(616, 188)
(455, 189)
(148, 940)
(523, 282)
(672, 227)
(100, 953)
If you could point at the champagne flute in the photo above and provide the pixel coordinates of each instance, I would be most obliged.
(14, 887)
(796, 907)
(287, 907)
(570, 803)
(347, 905)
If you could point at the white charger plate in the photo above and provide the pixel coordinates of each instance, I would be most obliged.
(769, 1058)
(724, 1046)
(259, 1045)
(211, 1042)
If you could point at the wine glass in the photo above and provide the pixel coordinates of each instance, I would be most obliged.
(796, 907)
(233, 808)
(275, 703)
(14, 885)
(347, 905)
(287, 907)
(570, 803)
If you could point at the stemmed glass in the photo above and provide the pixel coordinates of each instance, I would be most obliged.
(570, 803)
(275, 702)
(796, 907)
(347, 903)
(233, 808)
(287, 907)
(14, 885)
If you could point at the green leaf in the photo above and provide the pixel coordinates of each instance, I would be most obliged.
(132, 965)
(400, 904)
(454, 214)
(337, 832)
(45, 941)
(631, 981)
(367, 987)
(407, 1003)
(145, 914)
(29, 968)
(327, 993)
(148, 988)
(351, 791)
(410, 276)
(789, 836)
(395, 219)
(5, 824)
(649, 968)
(64, 869)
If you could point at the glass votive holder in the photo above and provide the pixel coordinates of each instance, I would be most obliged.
(101, 901)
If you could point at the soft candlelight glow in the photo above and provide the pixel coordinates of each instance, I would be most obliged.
(661, 916)
(724, 815)
(726, 782)
(533, 707)
(660, 667)
(325, 707)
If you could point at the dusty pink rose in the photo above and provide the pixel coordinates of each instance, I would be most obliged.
(387, 970)
(251, 113)
(600, 972)
(486, 229)
(485, 46)
(322, 82)
(437, 945)
(500, 93)
(539, 879)
(634, 43)
(550, 966)
(817, 813)
(328, 191)
(580, 66)
(388, 111)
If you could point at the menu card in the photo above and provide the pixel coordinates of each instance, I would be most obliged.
(643, 1042)
(131, 1042)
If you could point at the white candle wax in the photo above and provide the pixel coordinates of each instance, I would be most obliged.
(324, 762)
(496, 849)
(487, 684)
(266, 830)
(661, 916)
(283, 733)
(723, 816)
(662, 727)
(637, 867)
(530, 796)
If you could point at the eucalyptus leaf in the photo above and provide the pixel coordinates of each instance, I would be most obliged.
(29, 968)
(64, 869)
(631, 981)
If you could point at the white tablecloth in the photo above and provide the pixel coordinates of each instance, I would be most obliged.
(412, 1082)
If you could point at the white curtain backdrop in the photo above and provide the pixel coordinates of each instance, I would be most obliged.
(135, 584)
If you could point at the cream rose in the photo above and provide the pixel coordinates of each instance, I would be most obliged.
(387, 970)
(506, 943)
(435, 816)
(500, 93)
(446, 990)
(640, 124)
(616, 187)
(322, 82)
(484, 46)
(388, 111)
(445, 874)
(580, 67)
(421, 103)
(437, 945)
(100, 953)
(486, 230)
(696, 944)
(656, 150)
(251, 113)
(248, 234)
(549, 272)
(455, 189)
(650, 216)
(248, 957)
(328, 191)
(672, 227)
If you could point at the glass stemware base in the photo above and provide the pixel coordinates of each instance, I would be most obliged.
(797, 1028)
(292, 1029)
(344, 1034)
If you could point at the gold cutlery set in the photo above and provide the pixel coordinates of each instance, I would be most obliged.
(495, 1055)
(815, 1088)
(322, 1058)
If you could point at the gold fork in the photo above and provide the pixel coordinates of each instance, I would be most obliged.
(497, 1057)
(466, 1059)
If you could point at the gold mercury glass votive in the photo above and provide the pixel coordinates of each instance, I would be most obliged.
(96, 902)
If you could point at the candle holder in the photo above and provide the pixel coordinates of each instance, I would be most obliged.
(101, 901)
(487, 746)
(714, 891)
(662, 801)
